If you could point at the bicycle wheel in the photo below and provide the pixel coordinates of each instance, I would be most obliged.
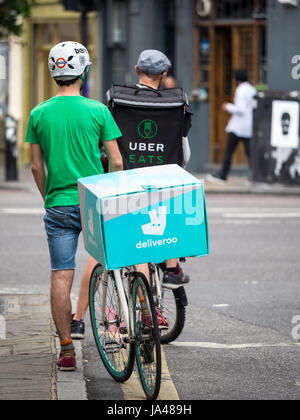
(108, 325)
(174, 312)
(172, 306)
(147, 340)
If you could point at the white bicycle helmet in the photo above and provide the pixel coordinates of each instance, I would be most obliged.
(68, 60)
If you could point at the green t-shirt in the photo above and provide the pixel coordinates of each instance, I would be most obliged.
(68, 129)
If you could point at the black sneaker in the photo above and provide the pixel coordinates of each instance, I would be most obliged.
(174, 281)
(77, 329)
(216, 179)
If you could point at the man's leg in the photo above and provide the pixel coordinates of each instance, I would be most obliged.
(162, 322)
(63, 226)
(246, 142)
(247, 147)
(61, 284)
(232, 143)
(83, 298)
(172, 263)
(144, 269)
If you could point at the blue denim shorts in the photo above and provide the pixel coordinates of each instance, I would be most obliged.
(63, 227)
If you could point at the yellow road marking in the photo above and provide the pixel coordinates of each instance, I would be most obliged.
(132, 389)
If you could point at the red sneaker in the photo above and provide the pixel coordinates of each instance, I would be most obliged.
(67, 363)
(162, 322)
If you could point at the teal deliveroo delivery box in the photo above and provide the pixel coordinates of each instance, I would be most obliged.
(143, 215)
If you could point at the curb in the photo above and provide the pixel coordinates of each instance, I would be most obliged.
(237, 184)
(241, 185)
(71, 386)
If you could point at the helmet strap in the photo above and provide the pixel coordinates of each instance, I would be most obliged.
(84, 78)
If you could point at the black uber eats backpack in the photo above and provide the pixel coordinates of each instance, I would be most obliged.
(152, 123)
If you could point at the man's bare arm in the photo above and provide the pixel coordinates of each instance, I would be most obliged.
(114, 156)
(38, 168)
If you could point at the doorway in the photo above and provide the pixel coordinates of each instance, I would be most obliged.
(233, 47)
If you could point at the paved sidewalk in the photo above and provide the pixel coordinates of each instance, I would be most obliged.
(27, 348)
(28, 353)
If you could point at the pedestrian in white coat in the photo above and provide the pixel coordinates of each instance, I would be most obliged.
(240, 126)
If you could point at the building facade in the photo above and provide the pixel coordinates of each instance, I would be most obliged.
(205, 40)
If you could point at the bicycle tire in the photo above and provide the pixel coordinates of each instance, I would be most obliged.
(177, 326)
(110, 333)
(147, 339)
(172, 309)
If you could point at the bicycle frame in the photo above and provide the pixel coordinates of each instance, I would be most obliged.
(124, 305)
(157, 285)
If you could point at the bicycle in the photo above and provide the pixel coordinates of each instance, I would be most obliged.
(125, 328)
(170, 303)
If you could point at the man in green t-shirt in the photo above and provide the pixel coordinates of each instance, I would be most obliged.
(64, 134)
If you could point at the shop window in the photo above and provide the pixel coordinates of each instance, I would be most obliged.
(240, 9)
(116, 39)
(203, 65)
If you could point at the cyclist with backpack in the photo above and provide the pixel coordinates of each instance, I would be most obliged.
(143, 112)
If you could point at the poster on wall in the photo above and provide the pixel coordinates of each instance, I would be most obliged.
(285, 124)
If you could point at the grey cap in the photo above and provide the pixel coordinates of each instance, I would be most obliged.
(153, 62)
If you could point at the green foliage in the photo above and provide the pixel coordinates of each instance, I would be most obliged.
(10, 10)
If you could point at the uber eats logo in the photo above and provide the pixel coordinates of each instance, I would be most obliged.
(147, 129)
(146, 152)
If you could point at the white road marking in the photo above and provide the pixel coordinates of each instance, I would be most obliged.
(273, 215)
(221, 305)
(221, 210)
(23, 211)
(205, 345)
(253, 222)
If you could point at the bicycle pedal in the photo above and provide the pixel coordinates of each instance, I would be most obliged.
(112, 346)
(163, 328)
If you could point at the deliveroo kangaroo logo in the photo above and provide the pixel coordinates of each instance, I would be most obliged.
(158, 222)
(147, 129)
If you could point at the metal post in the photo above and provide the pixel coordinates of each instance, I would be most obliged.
(11, 151)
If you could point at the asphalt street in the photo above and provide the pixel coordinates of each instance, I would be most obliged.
(240, 338)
